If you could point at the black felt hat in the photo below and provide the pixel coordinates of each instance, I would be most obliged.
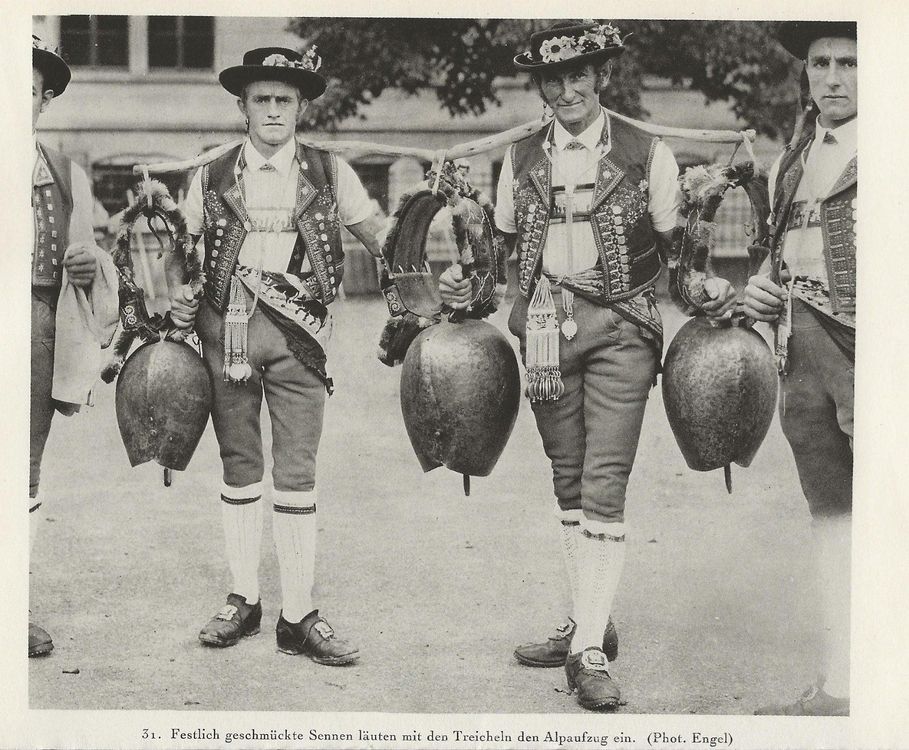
(570, 42)
(55, 71)
(797, 36)
(277, 64)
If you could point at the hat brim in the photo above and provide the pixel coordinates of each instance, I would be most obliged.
(234, 79)
(797, 36)
(524, 61)
(55, 71)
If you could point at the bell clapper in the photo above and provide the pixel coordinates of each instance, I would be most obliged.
(466, 485)
(168, 477)
(727, 475)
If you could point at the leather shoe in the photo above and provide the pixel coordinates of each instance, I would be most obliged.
(555, 650)
(314, 637)
(39, 641)
(588, 673)
(813, 702)
(235, 620)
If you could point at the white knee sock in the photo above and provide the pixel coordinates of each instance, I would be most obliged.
(569, 532)
(242, 514)
(601, 557)
(294, 528)
(833, 551)
(34, 518)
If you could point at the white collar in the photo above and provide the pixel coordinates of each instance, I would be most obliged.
(282, 160)
(589, 138)
(846, 135)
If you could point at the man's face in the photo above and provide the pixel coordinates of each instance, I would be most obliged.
(273, 108)
(573, 95)
(832, 68)
(40, 97)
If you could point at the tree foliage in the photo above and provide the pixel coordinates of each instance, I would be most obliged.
(734, 61)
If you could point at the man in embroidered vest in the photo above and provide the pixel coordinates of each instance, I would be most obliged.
(813, 190)
(590, 203)
(64, 255)
(270, 214)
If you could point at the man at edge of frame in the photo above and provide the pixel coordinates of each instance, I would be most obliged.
(74, 292)
(814, 185)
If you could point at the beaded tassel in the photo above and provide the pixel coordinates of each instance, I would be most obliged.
(544, 381)
(782, 329)
(236, 363)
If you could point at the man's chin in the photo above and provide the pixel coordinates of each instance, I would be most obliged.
(837, 114)
(274, 137)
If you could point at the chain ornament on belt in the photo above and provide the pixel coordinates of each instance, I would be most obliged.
(569, 327)
(237, 368)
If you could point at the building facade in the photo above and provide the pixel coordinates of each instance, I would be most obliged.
(145, 89)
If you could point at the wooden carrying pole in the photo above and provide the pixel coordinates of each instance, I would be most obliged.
(458, 151)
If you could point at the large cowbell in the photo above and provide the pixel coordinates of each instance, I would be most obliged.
(460, 383)
(164, 396)
(460, 392)
(719, 390)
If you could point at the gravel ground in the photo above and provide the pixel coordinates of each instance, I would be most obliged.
(714, 611)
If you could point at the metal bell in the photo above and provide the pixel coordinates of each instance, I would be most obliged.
(460, 391)
(719, 390)
(164, 397)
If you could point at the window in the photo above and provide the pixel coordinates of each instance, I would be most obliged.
(98, 41)
(181, 42)
(374, 176)
(113, 177)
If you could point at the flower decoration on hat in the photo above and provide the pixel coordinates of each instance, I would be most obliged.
(310, 61)
(558, 49)
(565, 42)
(38, 43)
(600, 37)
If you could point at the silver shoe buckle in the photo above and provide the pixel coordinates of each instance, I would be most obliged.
(226, 612)
(324, 629)
(595, 660)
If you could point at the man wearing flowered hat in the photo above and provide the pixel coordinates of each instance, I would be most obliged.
(590, 202)
(270, 214)
(67, 289)
(814, 185)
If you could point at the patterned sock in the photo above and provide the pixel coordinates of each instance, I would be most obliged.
(294, 528)
(833, 550)
(35, 517)
(569, 532)
(600, 561)
(241, 512)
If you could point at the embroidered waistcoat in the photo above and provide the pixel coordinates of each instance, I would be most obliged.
(837, 217)
(52, 203)
(315, 215)
(619, 216)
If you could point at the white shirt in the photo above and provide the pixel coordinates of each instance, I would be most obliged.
(80, 223)
(803, 248)
(577, 167)
(270, 197)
